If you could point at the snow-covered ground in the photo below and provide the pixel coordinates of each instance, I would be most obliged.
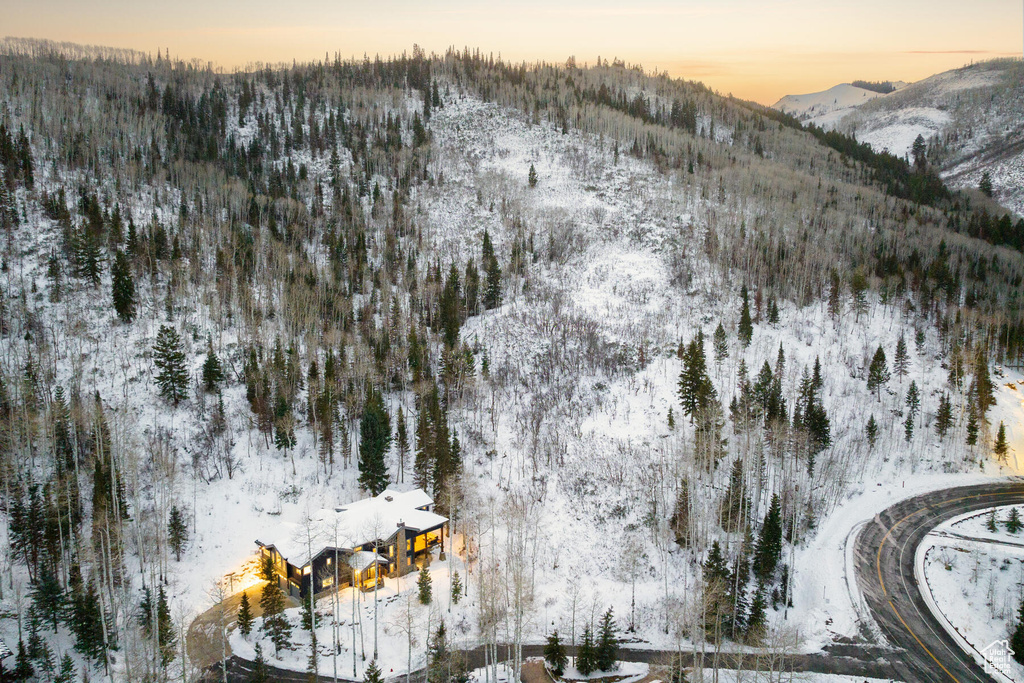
(730, 676)
(815, 105)
(572, 418)
(974, 578)
(615, 224)
(399, 611)
(896, 131)
(626, 672)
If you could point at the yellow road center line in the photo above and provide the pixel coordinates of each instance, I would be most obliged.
(881, 582)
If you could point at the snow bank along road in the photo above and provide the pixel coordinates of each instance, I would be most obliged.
(884, 555)
(846, 660)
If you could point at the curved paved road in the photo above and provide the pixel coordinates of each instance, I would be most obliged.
(884, 552)
(849, 660)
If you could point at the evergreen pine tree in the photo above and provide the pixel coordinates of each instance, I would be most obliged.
(372, 673)
(87, 256)
(260, 670)
(423, 586)
(450, 305)
(47, 596)
(585, 653)
(23, 664)
(67, 670)
(423, 465)
(746, 326)
(443, 665)
(715, 567)
(696, 391)
(310, 619)
(721, 344)
(773, 311)
(213, 373)
(680, 521)
(1013, 522)
(45, 662)
(991, 522)
(85, 621)
(456, 588)
(717, 601)
(757, 621)
(532, 176)
(735, 509)
(8, 211)
(769, 542)
(169, 358)
(878, 372)
(918, 150)
(908, 428)
(982, 390)
(835, 304)
(123, 287)
(606, 652)
(1017, 638)
(402, 443)
(972, 426)
(901, 361)
(1000, 446)
(986, 184)
(165, 627)
(245, 617)
(554, 655)
(471, 298)
(177, 532)
(275, 624)
(35, 637)
(492, 292)
(162, 630)
(810, 415)
(913, 399)
(374, 440)
(944, 416)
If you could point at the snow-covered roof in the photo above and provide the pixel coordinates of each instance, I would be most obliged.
(364, 558)
(355, 524)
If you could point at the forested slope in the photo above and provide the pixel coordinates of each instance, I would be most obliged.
(570, 302)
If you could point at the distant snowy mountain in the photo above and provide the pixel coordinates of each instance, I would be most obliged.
(817, 104)
(971, 117)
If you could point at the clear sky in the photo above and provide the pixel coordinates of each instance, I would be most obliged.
(756, 50)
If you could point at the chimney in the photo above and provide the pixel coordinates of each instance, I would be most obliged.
(402, 566)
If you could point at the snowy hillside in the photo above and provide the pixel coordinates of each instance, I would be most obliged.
(638, 348)
(970, 118)
(814, 106)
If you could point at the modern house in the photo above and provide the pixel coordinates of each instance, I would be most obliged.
(385, 535)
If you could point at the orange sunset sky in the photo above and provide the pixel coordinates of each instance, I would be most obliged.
(758, 50)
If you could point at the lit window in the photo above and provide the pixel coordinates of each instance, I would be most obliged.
(328, 562)
(328, 582)
(307, 570)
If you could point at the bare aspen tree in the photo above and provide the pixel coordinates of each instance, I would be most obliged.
(404, 620)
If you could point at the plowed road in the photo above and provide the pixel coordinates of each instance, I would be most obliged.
(884, 554)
